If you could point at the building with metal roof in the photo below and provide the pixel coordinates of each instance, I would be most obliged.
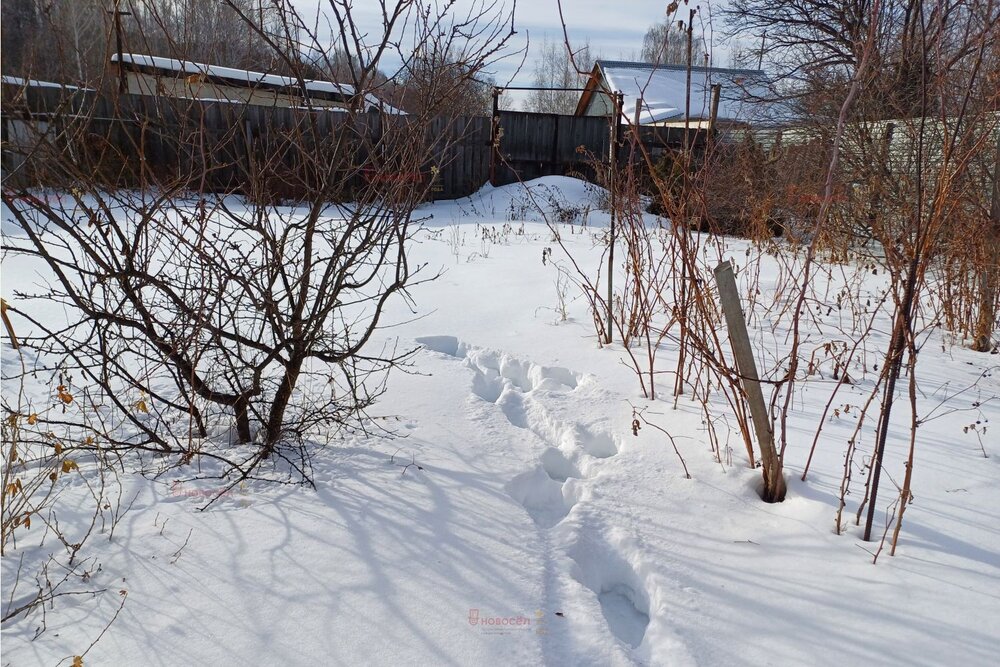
(660, 91)
(154, 75)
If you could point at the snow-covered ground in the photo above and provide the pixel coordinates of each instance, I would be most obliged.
(534, 527)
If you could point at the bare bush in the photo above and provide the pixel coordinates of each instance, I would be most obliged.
(203, 307)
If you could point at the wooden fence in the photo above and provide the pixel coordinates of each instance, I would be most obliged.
(535, 144)
(135, 139)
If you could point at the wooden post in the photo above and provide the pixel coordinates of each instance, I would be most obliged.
(713, 115)
(495, 137)
(554, 161)
(616, 111)
(774, 482)
(118, 14)
(990, 277)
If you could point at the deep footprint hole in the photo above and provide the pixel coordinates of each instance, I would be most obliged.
(557, 466)
(444, 344)
(486, 388)
(626, 621)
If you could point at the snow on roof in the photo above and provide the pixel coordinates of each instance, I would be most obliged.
(239, 77)
(33, 83)
(663, 90)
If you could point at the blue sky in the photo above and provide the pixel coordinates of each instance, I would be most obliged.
(614, 28)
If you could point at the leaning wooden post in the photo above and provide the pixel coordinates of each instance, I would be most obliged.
(774, 482)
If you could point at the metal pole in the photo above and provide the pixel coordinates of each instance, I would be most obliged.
(684, 222)
(896, 347)
(687, 88)
(618, 103)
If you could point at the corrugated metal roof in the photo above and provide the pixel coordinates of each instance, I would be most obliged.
(662, 89)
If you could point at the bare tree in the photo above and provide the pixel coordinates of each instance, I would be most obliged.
(665, 43)
(246, 34)
(438, 79)
(555, 70)
(62, 41)
(20, 21)
(70, 41)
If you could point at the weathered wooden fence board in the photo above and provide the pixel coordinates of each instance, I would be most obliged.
(223, 143)
(533, 144)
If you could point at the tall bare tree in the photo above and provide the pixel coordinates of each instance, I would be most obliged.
(665, 43)
(555, 70)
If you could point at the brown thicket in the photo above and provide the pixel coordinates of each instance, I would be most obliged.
(886, 161)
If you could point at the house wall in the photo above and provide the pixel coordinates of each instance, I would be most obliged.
(599, 105)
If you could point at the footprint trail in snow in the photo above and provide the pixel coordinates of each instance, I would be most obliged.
(570, 457)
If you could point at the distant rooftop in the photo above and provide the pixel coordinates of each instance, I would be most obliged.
(325, 90)
(663, 90)
(33, 83)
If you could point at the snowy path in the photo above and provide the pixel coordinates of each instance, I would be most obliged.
(592, 590)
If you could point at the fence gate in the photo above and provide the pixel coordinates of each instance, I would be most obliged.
(529, 145)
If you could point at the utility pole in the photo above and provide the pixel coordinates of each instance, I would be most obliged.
(760, 56)
(118, 14)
